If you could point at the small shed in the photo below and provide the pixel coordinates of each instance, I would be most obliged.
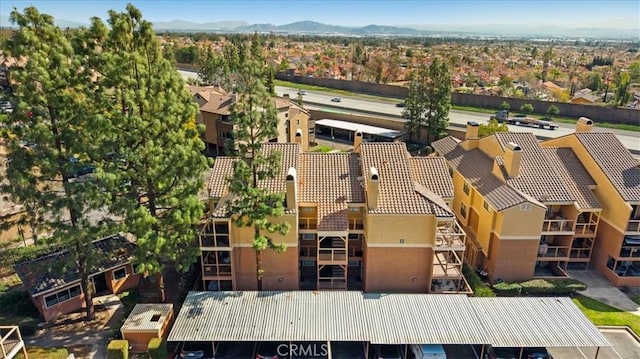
(145, 322)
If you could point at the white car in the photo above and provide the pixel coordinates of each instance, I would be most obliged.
(336, 99)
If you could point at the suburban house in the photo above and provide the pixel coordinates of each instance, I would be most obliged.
(294, 122)
(534, 210)
(54, 284)
(375, 219)
(615, 183)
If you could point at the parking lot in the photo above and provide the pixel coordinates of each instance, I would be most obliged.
(625, 346)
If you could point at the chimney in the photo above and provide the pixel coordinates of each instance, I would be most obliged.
(584, 125)
(357, 141)
(298, 138)
(472, 130)
(512, 157)
(292, 189)
(373, 189)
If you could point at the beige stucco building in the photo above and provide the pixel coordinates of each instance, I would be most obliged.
(375, 219)
(534, 210)
(294, 122)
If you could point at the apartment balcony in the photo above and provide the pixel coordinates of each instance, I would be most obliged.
(356, 224)
(447, 265)
(548, 252)
(332, 277)
(11, 342)
(449, 235)
(633, 227)
(212, 270)
(558, 225)
(335, 256)
(584, 229)
(308, 223)
(451, 286)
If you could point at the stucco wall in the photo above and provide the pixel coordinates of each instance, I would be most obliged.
(398, 269)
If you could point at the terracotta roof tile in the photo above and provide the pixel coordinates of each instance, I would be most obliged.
(398, 193)
(574, 175)
(329, 178)
(537, 177)
(476, 167)
(433, 173)
(616, 162)
(333, 217)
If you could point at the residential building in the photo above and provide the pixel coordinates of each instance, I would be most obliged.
(615, 183)
(53, 282)
(375, 219)
(294, 122)
(528, 211)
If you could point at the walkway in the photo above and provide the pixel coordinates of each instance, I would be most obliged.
(599, 287)
(74, 331)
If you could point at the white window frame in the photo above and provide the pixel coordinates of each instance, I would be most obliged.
(57, 294)
(525, 207)
(126, 273)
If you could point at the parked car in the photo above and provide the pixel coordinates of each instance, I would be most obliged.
(267, 350)
(336, 99)
(302, 92)
(234, 350)
(78, 169)
(428, 351)
(536, 353)
(347, 350)
(193, 350)
(400, 104)
(514, 353)
(386, 351)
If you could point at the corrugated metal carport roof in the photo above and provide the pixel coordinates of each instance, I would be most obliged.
(372, 130)
(383, 319)
(536, 322)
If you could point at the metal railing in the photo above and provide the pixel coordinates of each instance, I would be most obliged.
(332, 255)
(547, 251)
(308, 223)
(557, 225)
(586, 228)
(633, 226)
(450, 234)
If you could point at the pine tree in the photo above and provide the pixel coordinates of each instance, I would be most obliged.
(152, 156)
(52, 130)
(255, 122)
(429, 100)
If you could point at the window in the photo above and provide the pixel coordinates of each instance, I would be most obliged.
(308, 263)
(308, 237)
(465, 188)
(485, 205)
(354, 209)
(61, 296)
(463, 210)
(135, 268)
(525, 207)
(307, 209)
(119, 273)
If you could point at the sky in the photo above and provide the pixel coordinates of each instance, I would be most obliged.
(569, 13)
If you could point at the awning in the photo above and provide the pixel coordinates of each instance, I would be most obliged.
(365, 129)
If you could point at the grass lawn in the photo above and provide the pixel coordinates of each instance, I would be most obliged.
(635, 298)
(603, 314)
(45, 353)
(320, 148)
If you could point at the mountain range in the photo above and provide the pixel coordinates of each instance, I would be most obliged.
(316, 28)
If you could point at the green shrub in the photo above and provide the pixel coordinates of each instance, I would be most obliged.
(28, 327)
(483, 291)
(118, 349)
(477, 285)
(507, 289)
(17, 303)
(568, 286)
(158, 349)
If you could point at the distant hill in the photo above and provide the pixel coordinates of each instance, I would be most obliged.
(312, 27)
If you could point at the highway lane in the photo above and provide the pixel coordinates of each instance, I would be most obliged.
(630, 139)
(322, 100)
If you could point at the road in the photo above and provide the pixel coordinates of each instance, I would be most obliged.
(322, 100)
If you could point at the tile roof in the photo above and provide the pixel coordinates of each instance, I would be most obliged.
(56, 270)
(476, 167)
(398, 191)
(223, 169)
(616, 162)
(329, 178)
(574, 175)
(331, 181)
(433, 173)
(537, 177)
